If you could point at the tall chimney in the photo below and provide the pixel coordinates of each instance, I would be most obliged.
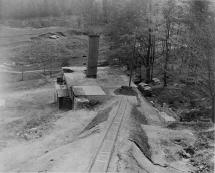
(93, 56)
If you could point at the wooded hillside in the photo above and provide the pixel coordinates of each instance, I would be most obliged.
(172, 40)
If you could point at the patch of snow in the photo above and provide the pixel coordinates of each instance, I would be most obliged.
(166, 117)
(2, 103)
(53, 36)
(3, 67)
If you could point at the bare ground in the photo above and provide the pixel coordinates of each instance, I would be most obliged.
(36, 136)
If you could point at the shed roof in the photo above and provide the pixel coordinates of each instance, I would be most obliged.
(88, 91)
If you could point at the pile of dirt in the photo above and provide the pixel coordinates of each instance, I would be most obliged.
(101, 117)
(49, 35)
(132, 144)
(105, 109)
(125, 90)
(138, 116)
(137, 135)
(139, 138)
(88, 104)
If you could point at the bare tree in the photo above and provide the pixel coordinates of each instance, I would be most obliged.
(105, 10)
(168, 14)
(202, 46)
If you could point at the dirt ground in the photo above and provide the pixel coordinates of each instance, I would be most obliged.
(32, 129)
(37, 137)
(150, 143)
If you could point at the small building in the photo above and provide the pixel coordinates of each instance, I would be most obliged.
(80, 83)
(76, 86)
(79, 86)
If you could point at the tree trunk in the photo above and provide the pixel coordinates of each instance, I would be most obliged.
(131, 74)
(105, 10)
(148, 66)
(22, 73)
(44, 69)
(50, 66)
(148, 74)
(213, 109)
(153, 58)
(131, 62)
(165, 70)
(167, 54)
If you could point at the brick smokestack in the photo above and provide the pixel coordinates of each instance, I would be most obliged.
(93, 56)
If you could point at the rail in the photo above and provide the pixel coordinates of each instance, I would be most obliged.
(101, 159)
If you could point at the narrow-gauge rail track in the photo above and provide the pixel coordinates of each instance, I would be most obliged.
(102, 157)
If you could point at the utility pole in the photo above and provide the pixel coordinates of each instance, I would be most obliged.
(44, 68)
(22, 72)
(50, 66)
(133, 56)
(105, 10)
(50, 56)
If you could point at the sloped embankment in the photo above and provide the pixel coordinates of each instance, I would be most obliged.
(146, 145)
(131, 135)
